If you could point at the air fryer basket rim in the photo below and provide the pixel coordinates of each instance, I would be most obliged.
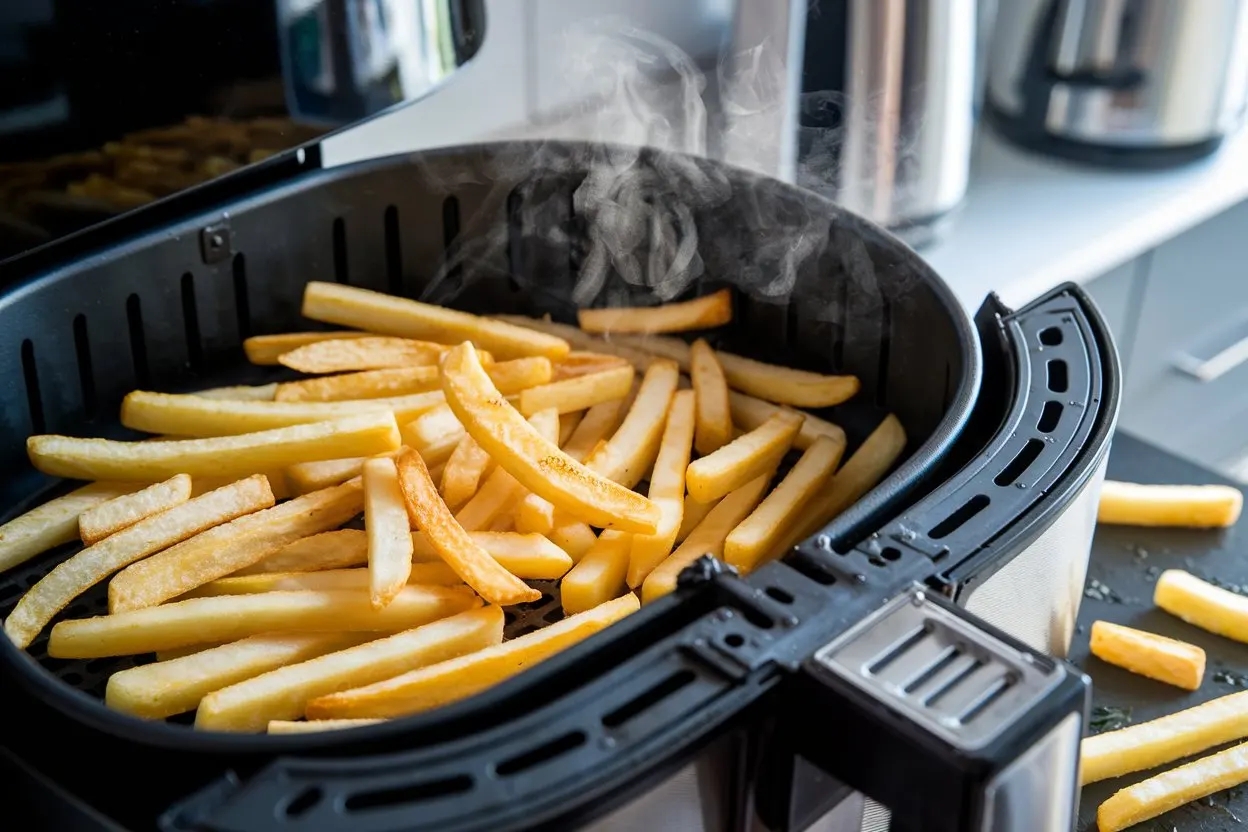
(887, 495)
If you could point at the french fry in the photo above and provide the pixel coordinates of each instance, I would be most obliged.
(466, 466)
(749, 412)
(714, 426)
(632, 449)
(707, 539)
(568, 423)
(519, 374)
(311, 726)
(421, 574)
(503, 523)
(534, 515)
(1159, 741)
(705, 312)
(225, 549)
(54, 523)
(367, 384)
(389, 535)
(223, 456)
(313, 476)
(429, 514)
(98, 522)
(361, 353)
(501, 491)
(175, 686)
(1171, 789)
(434, 434)
(276, 477)
(536, 463)
(233, 617)
(579, 363)
(667, 488)
(754, 541)
(599, 575)
(600, 422)
(179, 652)
(578, 393)
(244, 392)
(266, 349)
(74, 576)
(327, 550)
(1186, 506)
(449, 681)
(529, 556)
(283, 692)
(743, 459)
(376, 312)
(574, 537)
(1164, 659)
(1202, 604)
(640, 359)
(693, 514)
(193, 416)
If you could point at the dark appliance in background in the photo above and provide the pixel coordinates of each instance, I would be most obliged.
(1120, 83)
(107, 107)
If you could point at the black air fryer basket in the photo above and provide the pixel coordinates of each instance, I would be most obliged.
(787, 680)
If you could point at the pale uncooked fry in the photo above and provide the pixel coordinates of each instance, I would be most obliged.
(361, 353)
(753, 542)
(245, 392)
(225, 549)
(1148, 654)
(472, 563)
(434, 434)
(175, 686)
(283, 693)
(579, 393)
(222, 456)
(501, 491)
(266, 349)
(421, 574)
(449, 681)
(707, 311)
(529, 556)
(98, 522)
(714, 426)
(349, 306)
(74, 576)
(194, 416)
(389, 535)
(311, 726)
(1171, 789)
(578, 363)
(466, 466)
(367, 384)
(1184, 506)
(568, 423)
(1201, 603)
(667, 489)
(749, 412)
(574, 537)
(599, 575)
(743, 459)
(706, 539)
(693, 514)
(632, 449)
(640, 359)
(54, 523)
(327, 550)
(535, 462)
(233, 617)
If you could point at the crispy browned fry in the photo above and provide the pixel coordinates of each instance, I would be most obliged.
(236, 545)
(667, 488)
(599, 575)
(223, 456)
(632, 449)
(579, 393)
(439, 684)
(433, 434)
(389, 535)
(429, 514)
(368, 384)
(266, 349)
(225, 618)
(246, 392)
(501, 491)
(714, 425)
(743, 459)
(98, 522)
(54, 523)
(327, 550)
(574, 537)
(749, 412)
(349, 306)
(707, 311)
(579, 363)
(370, 352)
(72, 577)
(468, 463)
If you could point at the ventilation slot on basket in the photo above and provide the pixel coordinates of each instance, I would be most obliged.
(1020, 463)
(341, 273)
(895, 652)
(886, 341)
(86, 377)
(138, 341)
(242, 305)
(942, 691)
(31, 374)
(541, 754)
(303, 802)
(985, 699)
(649, 699)
(415, 793)
(956, 520)
(1051, 337)
(1050, 417)
(190, 321)
(1059, 379)
(394, 252)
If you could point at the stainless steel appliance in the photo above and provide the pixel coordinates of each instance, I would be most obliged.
(1133, 83)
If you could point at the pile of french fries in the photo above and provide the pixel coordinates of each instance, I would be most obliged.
(483, 453)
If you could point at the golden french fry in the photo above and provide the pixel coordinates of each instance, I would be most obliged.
(534, 515)
(579, 363)
(574, 537)
(106, 459)
(179, 652)
(743, 459)
(283, 693)
(501, 491)
(327, 550)
(1202, 604)
(421, 574)
(600, 422)
(632, 449)
(74, 576)
(449, 681)
(225, 549)
(578, 393)
(1148, 654)
(599, 575)
(175, 686)
(519, 374)
(276, 477)
(98, 522)
(714, 427)
(286, 726)
(313, 476)
(667, 488)
(749, 412)
(753, 542)
(389, 535)
(705, 312)
(349, 306)
(1171, 789)
(535, 462)
(361, 353)
(529, 556)
(233, 617)
(54, 523)
(266, 349)
(434, 434)
(429, 514)
(368, 384)
(568, 423)
(245, 392)
(1187, 506)
(640, 359)
(466, 466)
(707, 539)
(693, 514)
